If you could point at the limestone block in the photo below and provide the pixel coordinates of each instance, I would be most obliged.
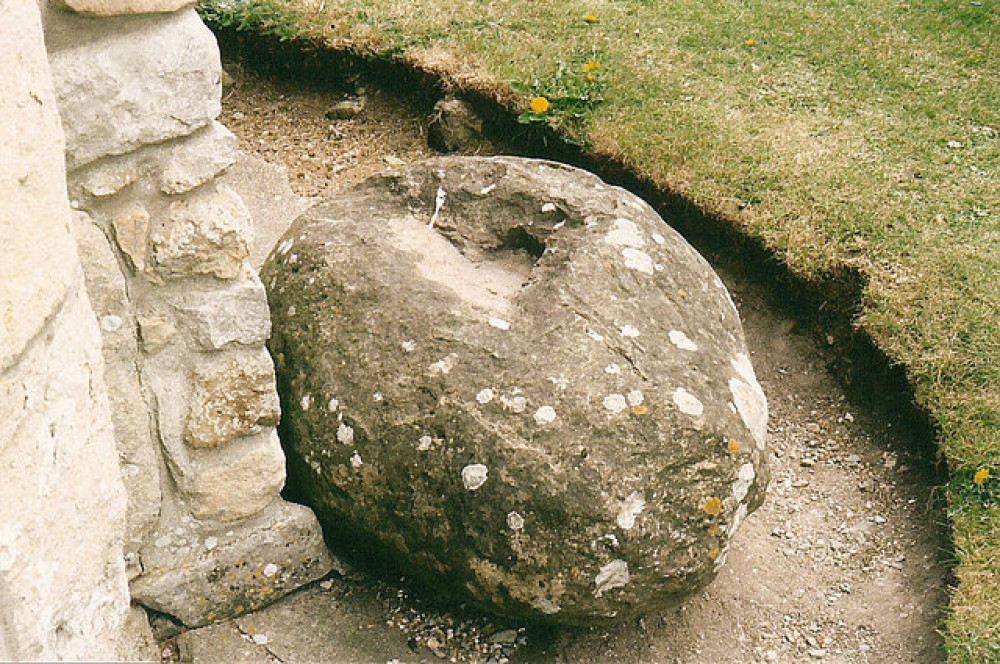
(173, 167)
(207, 232)
(232, 395)
(63, 592)
(34, 214)
(155, 332)
(236, 315)
(519, 385)
(109, 177)
(123, 7)
(198, 159)
(125, 82)
(137, 450)
(235, 481)
(203, 572)
(131, 228)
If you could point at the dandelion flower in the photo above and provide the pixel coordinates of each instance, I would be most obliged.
(713, 506)
(591, 66)
(734, 446)
(591, 77)
(590, 18)
(751, 42)
(981, 476)
(539, 105)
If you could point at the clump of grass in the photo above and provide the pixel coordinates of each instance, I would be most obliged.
(860, 136)
(263, 18)
(565, 100)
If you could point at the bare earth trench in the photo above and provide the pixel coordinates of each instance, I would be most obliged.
(842, 564)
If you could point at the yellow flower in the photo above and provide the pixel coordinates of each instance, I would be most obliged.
(734, 446)
(751, 42)
(713, 506)
(591, 66)
(981, 476)
(539, 105)
(714, 530)
(714, 552)
(590, 18)
(591, 77)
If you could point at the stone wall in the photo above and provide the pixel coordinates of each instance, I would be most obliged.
(183, 314)
(138, 451)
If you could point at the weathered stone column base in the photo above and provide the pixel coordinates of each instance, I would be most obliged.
(201, 573)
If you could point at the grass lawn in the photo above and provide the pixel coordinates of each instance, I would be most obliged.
(841, 134)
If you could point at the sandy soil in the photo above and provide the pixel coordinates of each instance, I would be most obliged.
(842, 564)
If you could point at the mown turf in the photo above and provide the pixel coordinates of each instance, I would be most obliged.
(857, 134)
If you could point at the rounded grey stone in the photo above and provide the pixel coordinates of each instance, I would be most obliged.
(541, 345)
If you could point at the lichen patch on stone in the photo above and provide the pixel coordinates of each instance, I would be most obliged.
(637, 260)
(630, 509)
(514, 404)
(682, 341)
(485, 396)
(444, 365)
(499, 323)
(624, 233)
(635, 398)
(345, 434)
(744, 478)
(545, 415)
(474, 476)
(515, 521)
(751, 404)
(688, 403)
(629, 331)
(612, 575)
(546, 605)
(616, 403)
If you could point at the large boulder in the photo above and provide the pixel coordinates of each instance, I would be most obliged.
(518, 385)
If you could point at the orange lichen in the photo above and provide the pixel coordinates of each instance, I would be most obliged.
(639, 410)
(734, 446)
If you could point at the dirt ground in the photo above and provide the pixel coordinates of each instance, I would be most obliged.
(842, 564)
